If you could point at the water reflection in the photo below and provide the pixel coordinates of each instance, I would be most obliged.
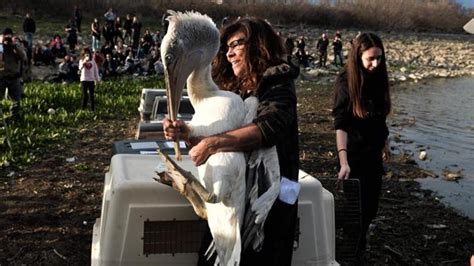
(438, 116)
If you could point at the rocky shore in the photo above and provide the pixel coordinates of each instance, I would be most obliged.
(410, 56)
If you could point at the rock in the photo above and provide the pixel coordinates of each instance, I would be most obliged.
(451, 176)
(423, 155)
(437, 226)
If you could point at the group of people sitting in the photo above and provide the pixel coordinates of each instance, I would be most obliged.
(119, 54)
(112, 62)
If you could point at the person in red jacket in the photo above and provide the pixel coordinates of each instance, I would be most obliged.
(57, 47)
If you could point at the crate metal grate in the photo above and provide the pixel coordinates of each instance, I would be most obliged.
(347, 217)
(170, 237)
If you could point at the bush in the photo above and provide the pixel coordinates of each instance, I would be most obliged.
(412, 15)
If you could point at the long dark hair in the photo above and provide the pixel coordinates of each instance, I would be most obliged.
(263, 49)
(356, 75)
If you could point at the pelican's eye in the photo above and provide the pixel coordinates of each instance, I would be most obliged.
(169, 58)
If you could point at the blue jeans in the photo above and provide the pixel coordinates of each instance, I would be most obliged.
(29, 38)
(95, 43)
(338, 54)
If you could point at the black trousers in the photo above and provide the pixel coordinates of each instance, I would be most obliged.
(368, 168)
(277, 247)
(370, 187)
(88, 90)
(323, 56)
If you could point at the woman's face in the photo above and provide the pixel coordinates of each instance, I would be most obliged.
(371, 59)
(236, 53)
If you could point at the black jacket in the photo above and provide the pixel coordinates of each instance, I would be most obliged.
(337, 46)
(277, 116)
(29, 25)
(365, 136)
(322, 45)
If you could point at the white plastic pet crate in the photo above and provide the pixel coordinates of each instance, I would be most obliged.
(153, 109)
(144, 222)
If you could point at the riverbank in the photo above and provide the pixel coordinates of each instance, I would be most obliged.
(411, 57)
(413, 227)
(48, 209)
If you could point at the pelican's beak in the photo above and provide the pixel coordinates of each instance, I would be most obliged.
(175, 80)
(176, 75)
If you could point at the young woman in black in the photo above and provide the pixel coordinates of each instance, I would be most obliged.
(362, 103)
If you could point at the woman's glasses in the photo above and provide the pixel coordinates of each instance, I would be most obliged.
(236, 43)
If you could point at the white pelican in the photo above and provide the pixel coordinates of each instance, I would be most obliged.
(187, 50)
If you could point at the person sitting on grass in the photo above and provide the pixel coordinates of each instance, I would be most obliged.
(109, 68)
(57, 47)
(43, 55)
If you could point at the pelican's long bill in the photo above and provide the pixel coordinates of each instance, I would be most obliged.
(174, 90)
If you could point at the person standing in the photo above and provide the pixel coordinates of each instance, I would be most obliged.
(108, 32)
(252, 62)
(110, 16)
(301, 53)
(136, 28)
(337, 44)
(12, 56)
(362, 103)
(322, 47)
(95, 32)
(127, 30)
(71, 35)
(89, 76)
(77, 16)
(29, 28)
(290, 46)
(118, 30)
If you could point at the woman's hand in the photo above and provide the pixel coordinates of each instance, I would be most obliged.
(175, 130)
(201, 149)
(344, 172)
(386, 153)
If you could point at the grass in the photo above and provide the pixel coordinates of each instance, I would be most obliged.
(37, 129)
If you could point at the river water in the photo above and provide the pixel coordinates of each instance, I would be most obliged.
(438, 116)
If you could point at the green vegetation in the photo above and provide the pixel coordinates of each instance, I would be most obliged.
(22, 140)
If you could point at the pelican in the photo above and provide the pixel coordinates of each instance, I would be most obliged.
(187, 50)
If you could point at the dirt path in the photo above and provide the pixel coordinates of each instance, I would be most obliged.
(47, 211)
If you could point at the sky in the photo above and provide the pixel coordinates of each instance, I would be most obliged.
(467, 3)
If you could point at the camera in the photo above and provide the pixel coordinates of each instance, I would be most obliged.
(7, 40)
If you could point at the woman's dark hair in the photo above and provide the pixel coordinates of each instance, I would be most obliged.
(263, 49)
(355, 74)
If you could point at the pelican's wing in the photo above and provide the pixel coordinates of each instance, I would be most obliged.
(263, 187)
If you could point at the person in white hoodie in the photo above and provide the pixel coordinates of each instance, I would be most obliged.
(89, 76)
